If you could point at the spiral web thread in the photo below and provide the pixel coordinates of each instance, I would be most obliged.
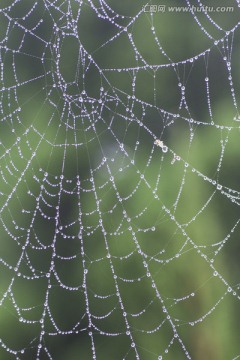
(96, 171)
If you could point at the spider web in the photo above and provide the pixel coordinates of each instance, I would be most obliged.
(119, 191)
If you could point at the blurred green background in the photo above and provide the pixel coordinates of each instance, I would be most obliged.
(125, 233)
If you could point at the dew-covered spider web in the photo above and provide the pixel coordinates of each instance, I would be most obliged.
(119, 180)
